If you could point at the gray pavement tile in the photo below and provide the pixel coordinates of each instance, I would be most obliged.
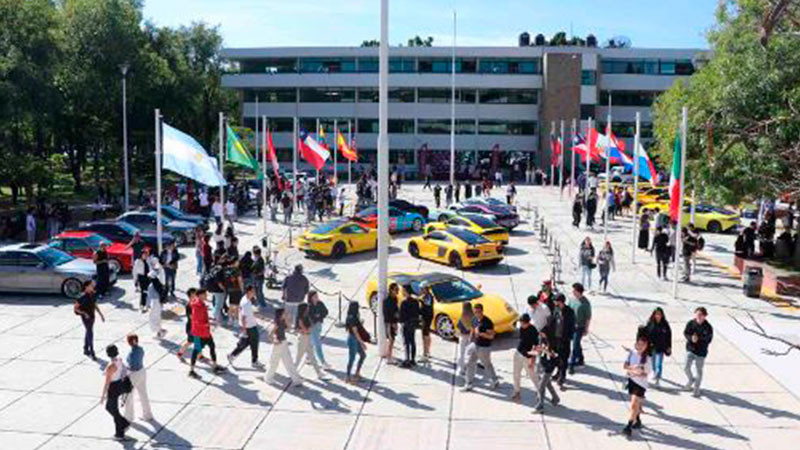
(84, 380)
(209, 426)
(313, 431)
(14, 346)
(469, 434)
(8, 396)
(97, 423)
(45, 413)
(22, 441)
(398, 433)
(89, 443)
(699, 438)
(409, 400)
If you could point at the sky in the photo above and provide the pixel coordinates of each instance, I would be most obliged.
(279, 23)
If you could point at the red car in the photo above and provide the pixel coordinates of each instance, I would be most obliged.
(82, 244)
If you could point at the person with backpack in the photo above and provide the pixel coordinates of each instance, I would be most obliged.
(605, 262)
(528, 339)
(409, 317)
(699, 334)
(156, 293)
(214, 282)
(304, 348)
(638, 369)
(317, 313)
(586, 262)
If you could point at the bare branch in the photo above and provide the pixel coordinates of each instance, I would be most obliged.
(759, 331)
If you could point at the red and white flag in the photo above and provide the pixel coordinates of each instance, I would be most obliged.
(273, 158)
(312, 151)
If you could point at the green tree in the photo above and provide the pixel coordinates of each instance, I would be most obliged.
(559, 39)
(417, 41)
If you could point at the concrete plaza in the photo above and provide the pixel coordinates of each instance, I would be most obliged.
(49, 392)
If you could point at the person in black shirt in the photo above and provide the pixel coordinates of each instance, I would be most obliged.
(698, 333)
(390, 311)
(86, 306)
(560, 334)
(257, 273)
(528, 338)
(577, 210)
(660, 334)
(437, 195)
(426, 311)
(409, 317)
(480, 349)
(101, 264)
(661, 246)
(355, 343)
(548, 360)
(750, 239)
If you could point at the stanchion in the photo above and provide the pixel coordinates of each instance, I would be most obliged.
(339, 323)
(375, 329)
(290, 236)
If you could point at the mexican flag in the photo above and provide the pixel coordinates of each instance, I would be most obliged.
(675, 180)
(237, 154)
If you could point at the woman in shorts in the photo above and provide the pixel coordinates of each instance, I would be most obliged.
(638, 369)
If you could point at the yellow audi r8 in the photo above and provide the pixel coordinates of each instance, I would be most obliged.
(477, 224)
(449, 293)
(456, 247)
(337, 238)
(652, 195)
(711, 218)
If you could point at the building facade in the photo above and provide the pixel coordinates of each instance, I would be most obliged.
(506, 99)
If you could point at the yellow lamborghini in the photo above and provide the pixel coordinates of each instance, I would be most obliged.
(449, 292)
(337, 238)
(477, 224)
(456, 247)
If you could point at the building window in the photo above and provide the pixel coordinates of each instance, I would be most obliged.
(401, 126)
(465, 126)
(401, 156)
(647, 66)
(275, 65)
(368, 126)
(401, 95)
(588, 77)
(467, 65)
(507, 127)
(628, 130)
(433, 126)
(629, 98)
(587, 112)
(280, 124)
(327, 95)
(434, 65)
(280, 95)
(327, 65)
(284, 154)
(402, 65)
(368, 156)
(444, 95)
(367, 95)
(509, 96)
(509, 66)
(368, 65)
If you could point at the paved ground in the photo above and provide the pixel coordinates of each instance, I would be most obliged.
(49, 392)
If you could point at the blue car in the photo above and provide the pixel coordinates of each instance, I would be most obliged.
(399, 220)
(173, 213)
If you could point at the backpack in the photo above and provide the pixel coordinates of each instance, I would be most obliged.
(211, 277)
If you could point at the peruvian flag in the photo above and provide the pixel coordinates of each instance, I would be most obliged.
(675, 180)
(273, 158)
(312, 151)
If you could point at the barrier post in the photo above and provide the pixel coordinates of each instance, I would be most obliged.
(339, 323)
(290, 236)
(375, 327)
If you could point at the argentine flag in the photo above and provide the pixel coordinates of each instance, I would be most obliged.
(182, 154)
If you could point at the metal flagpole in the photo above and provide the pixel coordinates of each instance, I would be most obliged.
(572, 155)
(588, 162)
(453, 107)
(222, 162)
(692, 208)
(552, 135)
(316, 133)
(678, 230)
(158, 179)
(608, 170)
(335, 138)
(264, 131)
(124, 69)
(383, 169)
(294, 165)
(561, 165)
(350, 143)
(635, 187)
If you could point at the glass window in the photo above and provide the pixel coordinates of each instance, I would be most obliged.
(510, 127)
(433, 126)
(281, 124)
(588, 77)
(509, 66)
(465, 126)
(367, 95)
(403, 126)
(327, 95)
(587, 111)
(651, 66)
(435, 65)
(275, 65)
(367, 125)
(467, 65)
(684, 68)
(667, 67)
(628, 129)
(327, 65)
(280, 95)
(370, 95)
(401, 156)
(368, 65)
(509, 96)
(629, 98)
(402, 65)
(434, 95)
(7, 259)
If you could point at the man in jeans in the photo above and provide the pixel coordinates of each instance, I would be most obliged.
(259, 266)
(481, 349)
(317, 312)
(295, 289)
(698, 333)
(249, 337)
(583, 316)
(86, 306)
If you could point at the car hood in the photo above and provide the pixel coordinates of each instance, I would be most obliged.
(180, 225)
(119, 249)
(77, 266)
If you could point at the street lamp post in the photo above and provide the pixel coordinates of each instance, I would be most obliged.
(124, 69)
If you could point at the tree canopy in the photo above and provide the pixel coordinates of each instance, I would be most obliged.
(743, 104)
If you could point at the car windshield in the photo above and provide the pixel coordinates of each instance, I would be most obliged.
(481, 221)
(468, 236)
(454, 291)
(94, 240)
(367, 212)
(54, 257)
(326, 228)
(128, 227)
(170, 211)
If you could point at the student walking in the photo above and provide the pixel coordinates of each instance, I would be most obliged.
(138, 375)
(437, 195)
(409, 317)
(577, 210)
(86, 307)
(317, 313)
(355, 343)
(280, 351)
(699, 334)
(481, 350)
(583, 316)
(605, 263)
(662, 251)
(249, 334)
(155, 294)
(638, 369)
(258, 270)
(660, 336)
(304, 349)
(169, 261)
(100, 258)
(523, 355)
(644, 231)
(201, 332)
(426, 313)
(547, 361)
(113, 387)
(466, 323)
(560, 334)
(295, 290)
(390, 318)
(141, 270)
(586, 262)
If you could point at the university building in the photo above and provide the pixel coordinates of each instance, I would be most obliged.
(506, 97)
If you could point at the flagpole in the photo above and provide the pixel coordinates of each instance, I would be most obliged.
(222, 162)
(586, 169)
(453, 107)
(317, 135)
(335, 148)
(608, 169)
(573, 132)
(264, 132)
(158, 178)
(561, 164)
(294, 165)
(552, 148)
(635, 187)
(678, 229)
(350, 143)
(692, 208)
(383, 170)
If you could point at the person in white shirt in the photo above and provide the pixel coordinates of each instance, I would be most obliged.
(216, 210)
(249, 334)
(340, 199)
(539, 312)
(637, 367)
(30, 225)
(154, 291)
(230, 211)
(176, 203)
(204, 202)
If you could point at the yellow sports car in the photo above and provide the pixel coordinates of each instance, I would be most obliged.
(337, 238)
(652, 195)
(661, 206)
(477, 224)
(449, 292)
(711, 218)
(457, 247)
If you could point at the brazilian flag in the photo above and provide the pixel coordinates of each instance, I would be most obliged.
(237, 154)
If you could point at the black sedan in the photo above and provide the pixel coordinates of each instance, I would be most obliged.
(123, 232)
(407, 206)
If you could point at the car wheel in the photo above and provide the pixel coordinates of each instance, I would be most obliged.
(72, 287)
(442, 218)
(373, 302)
(417, 225)
(339, 250)
(714, 227)
(455, 260)
(413, 249)
(445, 327)
(114, 265)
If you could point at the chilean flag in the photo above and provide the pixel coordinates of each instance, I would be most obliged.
(312, 151)
(580, 147)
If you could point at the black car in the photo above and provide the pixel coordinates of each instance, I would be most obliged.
(404, 205)
(123, 232)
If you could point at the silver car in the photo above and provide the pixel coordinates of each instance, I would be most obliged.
(36, 268)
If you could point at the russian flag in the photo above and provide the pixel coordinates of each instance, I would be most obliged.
(312, 151)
